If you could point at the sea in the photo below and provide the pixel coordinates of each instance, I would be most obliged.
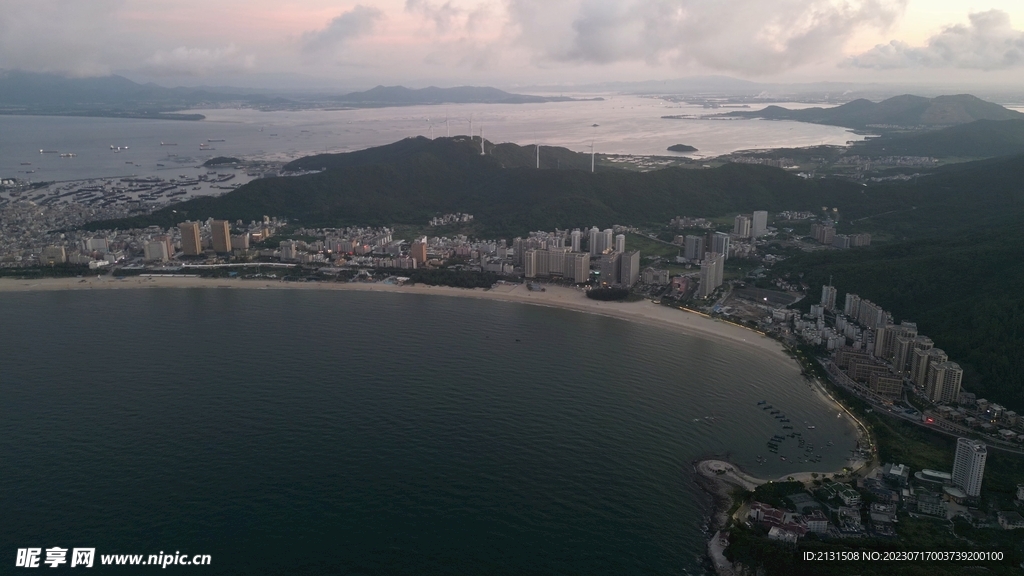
(618, 124)
(336, 432)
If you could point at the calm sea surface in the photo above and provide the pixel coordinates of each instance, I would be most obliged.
(625, 125)
(308, 432)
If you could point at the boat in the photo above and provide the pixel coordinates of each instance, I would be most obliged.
(214, 139)
(594, 125)
(810, 427)
(761, 403)
(26, 163)
(787, 427)
(48, 152)
(775, 411)
(168, 143)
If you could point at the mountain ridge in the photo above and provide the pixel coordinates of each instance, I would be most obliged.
(898, 112)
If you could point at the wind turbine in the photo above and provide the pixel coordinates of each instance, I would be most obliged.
(447, 128)
(591, 156)
(481, 140)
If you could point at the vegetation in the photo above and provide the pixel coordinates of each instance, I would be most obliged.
(898, 111)
(963, 292)
(221, 160)
(449, 277)
(608, 294)
(979, 139)
(681, 148)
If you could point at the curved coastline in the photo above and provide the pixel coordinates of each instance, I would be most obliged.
(644, 312)
(717, 477)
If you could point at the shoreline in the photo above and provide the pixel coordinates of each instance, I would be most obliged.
(642, 312)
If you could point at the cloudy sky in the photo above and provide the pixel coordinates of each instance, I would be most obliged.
(517, 42)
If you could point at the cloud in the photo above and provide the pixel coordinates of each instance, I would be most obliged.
(61, 36)
(200, 61)
(357, 22)
(444, 16)
(987, 42)
(745, 36)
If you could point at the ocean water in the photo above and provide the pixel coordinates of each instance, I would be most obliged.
(308, 432)
(625, 125)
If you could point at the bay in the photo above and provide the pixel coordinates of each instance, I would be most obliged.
(356, 433)
(625, 125)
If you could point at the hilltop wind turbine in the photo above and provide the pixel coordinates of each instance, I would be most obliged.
(481, 140)
(538, 156)
(591, 156)
(470, 127)
(447, 128)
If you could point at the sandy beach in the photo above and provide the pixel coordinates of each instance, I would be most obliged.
(645, 312)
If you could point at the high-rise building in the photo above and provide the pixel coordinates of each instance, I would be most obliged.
(693, 248)
(741, 226)
(629, 268)
(886, 338)
(53, 255)
(759, 223)
(711, 271)
(607, 241)
(593, 241)
(610, 266)
(221, 230)
(944, 380)
(530, 263)
(720, 244)
(969, 465)
(620, 243)
(240, 242)
(905, 348)
(579, 270)
(155, 251)
(852, 306)
(922, 362)
(870, 315)
(828, 297)
(190, 242)
(289, 251)
(418, 250)
(576, 237)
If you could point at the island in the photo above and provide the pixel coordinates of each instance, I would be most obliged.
(681, 148)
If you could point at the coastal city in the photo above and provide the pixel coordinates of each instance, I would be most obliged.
(890, 366)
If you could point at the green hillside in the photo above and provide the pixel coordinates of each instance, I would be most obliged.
(410, 181)
(978, 139)
(899, 111)
(963, 289)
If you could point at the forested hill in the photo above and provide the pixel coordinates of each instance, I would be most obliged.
(410, 181)
(978, 139)
(895, 112)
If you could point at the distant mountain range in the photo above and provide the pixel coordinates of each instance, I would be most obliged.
(51, 94)
(899, 112)
(402, 96)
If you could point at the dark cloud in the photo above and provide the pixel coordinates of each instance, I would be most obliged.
(987, 42)
(358, 21)
(746, 36)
